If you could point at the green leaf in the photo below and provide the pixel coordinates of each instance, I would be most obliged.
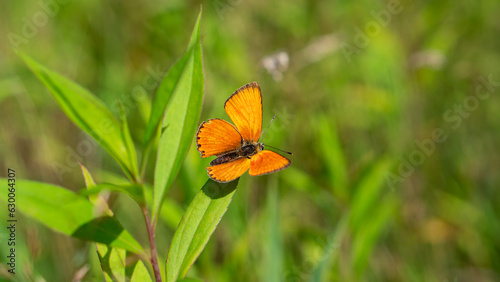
(167, 88)
(87, 112)
(71, 214)
(116, 268)
(135, 191)
(89, 183)
(127, 139)
(140, 273)
(181, 118)
(113, 260)
(161, 98)
(197, 225)
(96, 199)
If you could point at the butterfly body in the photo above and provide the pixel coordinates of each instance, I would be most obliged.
(237, 147)
(246, 151)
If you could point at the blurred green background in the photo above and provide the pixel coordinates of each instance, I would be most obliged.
(391, 109)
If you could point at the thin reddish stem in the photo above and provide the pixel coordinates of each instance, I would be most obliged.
(152, 244)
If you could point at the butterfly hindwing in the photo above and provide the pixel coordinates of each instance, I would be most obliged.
(217, 136)
(244, 108)
(266, 162)
(228, 171)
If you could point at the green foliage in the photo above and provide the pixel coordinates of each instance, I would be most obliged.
(197, 225)
(370, 195)
(71, 214)
(113, 260)
(90, 114)
(183, 86)
(177, 108)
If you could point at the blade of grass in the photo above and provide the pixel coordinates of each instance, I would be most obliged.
(367, 191)
(272, 243)
(333, 157)
(331, 251)
(180, 121)
(370, 212)
(365, 238)
(197, 225)
(87, 112)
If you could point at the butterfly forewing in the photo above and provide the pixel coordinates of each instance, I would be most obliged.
(217, 136)
(244, 108)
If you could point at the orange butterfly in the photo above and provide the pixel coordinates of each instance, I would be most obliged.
(237, 148)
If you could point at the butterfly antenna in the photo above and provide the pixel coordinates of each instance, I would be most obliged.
(290, 153)
(264, 133)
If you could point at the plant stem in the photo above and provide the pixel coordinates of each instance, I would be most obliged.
(152, 244)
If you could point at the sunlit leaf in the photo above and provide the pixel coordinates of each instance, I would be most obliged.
(127, 139)
(197, 225)
(70, 214)
(140, 272)
(87, 112)
(181, 118)
(113, 260)
(133, 190)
